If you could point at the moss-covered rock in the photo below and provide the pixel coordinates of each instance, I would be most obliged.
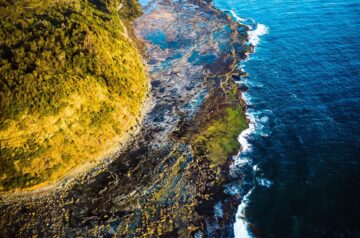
(220, 123)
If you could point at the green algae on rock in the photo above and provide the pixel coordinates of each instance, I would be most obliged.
(219, 125)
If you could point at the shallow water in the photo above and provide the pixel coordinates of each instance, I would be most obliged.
(304, 94)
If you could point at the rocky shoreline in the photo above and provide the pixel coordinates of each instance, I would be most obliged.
(169, 179)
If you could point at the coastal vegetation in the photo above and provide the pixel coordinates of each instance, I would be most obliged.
(72, 84)
(221, 124)
(169, 181)
(188, 182)
(220, 137)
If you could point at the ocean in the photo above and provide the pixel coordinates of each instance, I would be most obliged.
(299, 172)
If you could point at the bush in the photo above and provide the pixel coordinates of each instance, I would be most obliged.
(68, 74)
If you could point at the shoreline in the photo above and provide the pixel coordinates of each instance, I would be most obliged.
(218, 191)
(241, 227)
(198, 96)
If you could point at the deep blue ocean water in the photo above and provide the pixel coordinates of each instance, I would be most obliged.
(305, 102)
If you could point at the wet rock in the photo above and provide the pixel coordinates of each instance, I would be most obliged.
(155, 83)
(243, 87)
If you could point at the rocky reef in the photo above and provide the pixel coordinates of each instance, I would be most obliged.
(170, 177)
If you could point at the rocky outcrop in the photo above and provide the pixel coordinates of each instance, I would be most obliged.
(167, 182)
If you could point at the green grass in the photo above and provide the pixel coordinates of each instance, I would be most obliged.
(71, 83)
(46, 49)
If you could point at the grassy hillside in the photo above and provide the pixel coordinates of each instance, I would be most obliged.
(71, 83)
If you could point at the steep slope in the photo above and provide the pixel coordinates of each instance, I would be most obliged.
(72, 83)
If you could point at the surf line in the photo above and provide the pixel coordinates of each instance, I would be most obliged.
(241, 225)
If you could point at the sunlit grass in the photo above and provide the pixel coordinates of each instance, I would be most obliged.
(71, 84)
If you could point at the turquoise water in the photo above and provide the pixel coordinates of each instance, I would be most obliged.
(301, 172)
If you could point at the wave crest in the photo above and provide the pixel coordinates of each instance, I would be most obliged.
(255, 34)
(256, 29)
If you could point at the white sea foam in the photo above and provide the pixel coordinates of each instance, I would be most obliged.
(256, 168)
(261, 181)
(256, 31)
(245, 145)
(241, 227)
(255, 34)
(264, 119)
(238, 163)
(264, 182)
(239, 19)
(233, 188)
